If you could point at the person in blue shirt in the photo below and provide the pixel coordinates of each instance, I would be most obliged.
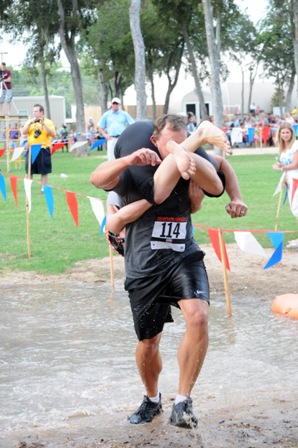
(112, 124)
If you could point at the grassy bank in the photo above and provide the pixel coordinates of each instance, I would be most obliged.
(56, 243)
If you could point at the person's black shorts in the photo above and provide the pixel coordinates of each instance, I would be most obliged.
(151, 298)
(42, 164)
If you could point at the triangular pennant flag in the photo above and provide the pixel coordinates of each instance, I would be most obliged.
(17, 153)
(280, 184)
(266, 133)
(48, 193)
(98, 209)
(34, 152)
(77, 145)
(214, 238)
(57, 146)
(2, 151)
(98, 143)
(103, 225)
(247, 243)
(27, 185)
(2, 187)
(73, 205)
(251, 133)
(277, 239)
(13, 184)
(294, 197)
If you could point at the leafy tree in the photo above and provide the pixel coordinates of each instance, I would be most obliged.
(277, 38)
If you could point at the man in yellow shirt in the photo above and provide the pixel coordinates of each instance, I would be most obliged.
(40, 130)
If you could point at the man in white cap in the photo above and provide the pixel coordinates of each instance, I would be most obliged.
(112, 124)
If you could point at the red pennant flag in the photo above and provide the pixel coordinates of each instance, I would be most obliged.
(2, 151)
(265, 134)
(57, 146)
(295, 186)
(13, 184)
(214, 238)
(73, 206)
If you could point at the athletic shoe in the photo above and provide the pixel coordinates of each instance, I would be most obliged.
(182, 415)
(146, 411)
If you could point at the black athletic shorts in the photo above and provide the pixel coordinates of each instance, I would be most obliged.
(42, 164)
(151, 298)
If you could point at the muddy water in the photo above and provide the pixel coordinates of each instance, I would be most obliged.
(67, 350)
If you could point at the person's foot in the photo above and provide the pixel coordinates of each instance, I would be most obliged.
(185, 163)
(146, 412)
(182, 415)
(215, 136)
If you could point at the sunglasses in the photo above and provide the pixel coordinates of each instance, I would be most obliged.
(115, 103)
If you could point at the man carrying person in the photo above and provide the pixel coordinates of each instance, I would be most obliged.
(164, 265)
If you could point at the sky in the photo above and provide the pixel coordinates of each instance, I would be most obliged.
(14, 54)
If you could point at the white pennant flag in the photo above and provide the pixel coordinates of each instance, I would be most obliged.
(77, 145)
(17, 152)
(247, 243)
(98, 209)
(27, 185)
(280, 184)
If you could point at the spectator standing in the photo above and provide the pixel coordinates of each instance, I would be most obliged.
(40, 130)
(112, 124)
(288, 163)
(191, 124)
(6, 89)
(14, 135)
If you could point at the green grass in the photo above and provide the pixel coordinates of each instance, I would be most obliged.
(56, 243)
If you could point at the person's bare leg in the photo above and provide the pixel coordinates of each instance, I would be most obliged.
(149, 363)
(201, 171)
(194, 344)
(9, 108)
(44, 179)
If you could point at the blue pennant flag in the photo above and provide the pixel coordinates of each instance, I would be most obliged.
(277, 239)
(2, 187)
(34, 152)
(251, 133)
(102, 225)
(97, 143)
(285, 197)
(48, 193)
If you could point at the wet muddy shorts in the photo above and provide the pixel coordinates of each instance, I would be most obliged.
(151, 297)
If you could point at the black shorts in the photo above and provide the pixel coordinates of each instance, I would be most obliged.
(42, 164)
(151, 298)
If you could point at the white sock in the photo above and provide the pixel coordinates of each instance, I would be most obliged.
(155, 399)
(180, 398)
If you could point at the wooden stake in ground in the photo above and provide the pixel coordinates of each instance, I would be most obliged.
(27, 203)
(225, 276)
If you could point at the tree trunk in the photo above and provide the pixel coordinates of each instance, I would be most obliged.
(290, 93)
(172, 83)
(103, 89)
(45, 86)
(203, 110)
(139, 51)
(215, 67)
(68, 45)
(295, 7)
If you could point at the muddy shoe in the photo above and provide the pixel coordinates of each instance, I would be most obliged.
(182, 415)
(146, 411)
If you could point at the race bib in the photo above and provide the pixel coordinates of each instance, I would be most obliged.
(169, 233)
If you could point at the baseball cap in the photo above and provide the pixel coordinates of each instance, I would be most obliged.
(116, 100)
